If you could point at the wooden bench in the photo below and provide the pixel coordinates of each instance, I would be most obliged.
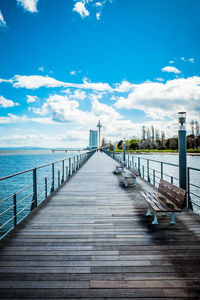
(169, 198)
(128, 175)
(120, 168)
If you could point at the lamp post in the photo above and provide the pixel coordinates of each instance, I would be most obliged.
(183, 156)
(182, 151)
(124, 150)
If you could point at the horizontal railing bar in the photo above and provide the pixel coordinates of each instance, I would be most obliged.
(25, 198)
(194, 185)
(25, 207)
(157, 161)
(194, 194)
(195, 169)
(9, 208)
(39, 167)
(6, 198)
(6, 223)
(195, 204)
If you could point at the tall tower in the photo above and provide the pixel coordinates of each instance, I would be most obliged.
(99, 126)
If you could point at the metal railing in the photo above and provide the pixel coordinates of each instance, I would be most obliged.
(153, 170)
(16, 206)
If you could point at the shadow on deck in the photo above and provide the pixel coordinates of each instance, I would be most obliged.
(92, 239)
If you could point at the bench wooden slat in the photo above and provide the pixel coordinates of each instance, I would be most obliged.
(174, 187)
(168, 199)
(150, 202)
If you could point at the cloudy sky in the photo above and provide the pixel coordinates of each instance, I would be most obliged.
(66, 64)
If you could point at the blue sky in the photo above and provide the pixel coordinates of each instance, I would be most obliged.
(66, 64)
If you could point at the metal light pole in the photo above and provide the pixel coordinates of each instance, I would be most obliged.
(124, 149)
(182, 151)
(183, 155)
(99, 126)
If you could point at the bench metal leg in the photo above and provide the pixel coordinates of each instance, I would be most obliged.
(116, 171)
(149, 210)
(155, 220)
(134, 181)
(165, 214)
(125, 182)
(173, 221)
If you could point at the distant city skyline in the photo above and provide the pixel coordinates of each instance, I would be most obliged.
(129, 63)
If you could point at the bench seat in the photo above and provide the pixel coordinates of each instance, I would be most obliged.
(119, 169)
(128, 175)
(169, 198)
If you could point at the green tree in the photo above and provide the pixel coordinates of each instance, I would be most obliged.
(134, 144)
(171, 143)
(120, 144)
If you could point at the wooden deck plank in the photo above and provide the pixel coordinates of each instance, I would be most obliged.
(92, 240)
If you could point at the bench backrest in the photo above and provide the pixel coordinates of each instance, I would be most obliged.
(135, 171)
(172, 192)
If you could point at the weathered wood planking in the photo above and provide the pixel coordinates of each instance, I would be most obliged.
(92, 240)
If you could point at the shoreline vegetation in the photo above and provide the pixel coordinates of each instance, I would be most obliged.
(156, 151)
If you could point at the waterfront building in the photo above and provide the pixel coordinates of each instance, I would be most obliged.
(93, 139)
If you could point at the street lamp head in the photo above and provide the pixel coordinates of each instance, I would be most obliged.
(182, 119)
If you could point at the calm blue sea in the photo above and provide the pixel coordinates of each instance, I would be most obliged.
(14, 161)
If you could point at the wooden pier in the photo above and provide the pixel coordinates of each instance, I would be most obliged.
(92, 240)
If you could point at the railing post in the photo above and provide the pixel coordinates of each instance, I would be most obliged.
(114, 152)
(70, 169)
(45, 187)
(143, 171)
(148, 177)
(59, 178)
(66, 172)
(139, 166)
(133, 161)
(161, 170)
(189, 202)
(52, 184)
(128, 162)
(74, 163)
(34, 204)
(63, 168)
(154, 178)
(172, 179)
(15, 209)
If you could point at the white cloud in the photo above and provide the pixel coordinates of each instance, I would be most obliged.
(170, 69)
(171, 61)
(123, 87)
(98, 15)
(73, 72)
(31, 99)
(160, 100)
(2, 21)
(78, 94)
(7, 103)
(29, 5)
(99, 4)
(13, 119)
(41, 69)
(37, 81)
(183, 58)
(79, 7)
(159, 79)
(191, 59)
(5, 80)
